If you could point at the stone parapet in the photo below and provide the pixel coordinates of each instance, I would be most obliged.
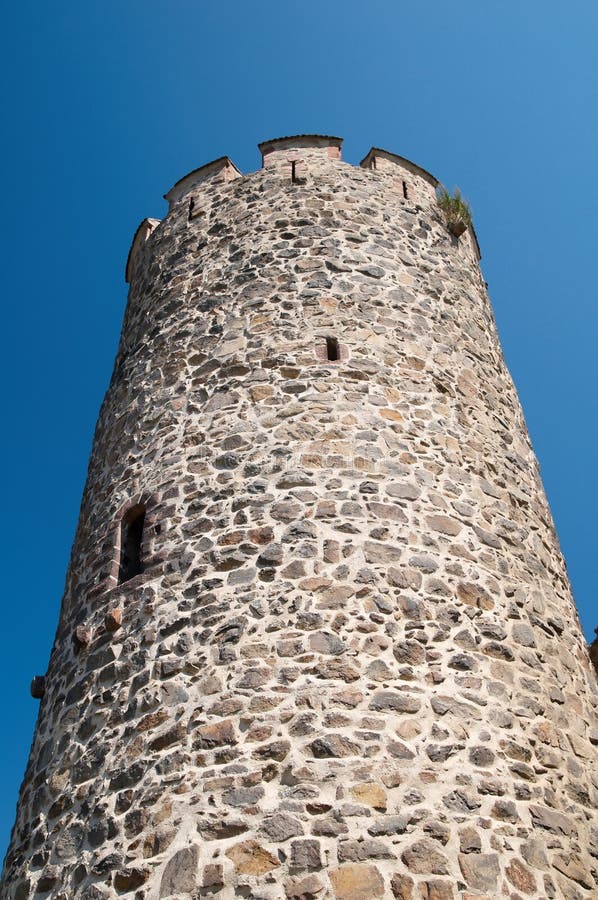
(145, 229)
(222, 170)
(300, 148)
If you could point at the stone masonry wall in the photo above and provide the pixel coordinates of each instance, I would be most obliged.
(351, 667)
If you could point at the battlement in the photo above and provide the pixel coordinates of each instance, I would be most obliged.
(221, 169)
(295, 152)
(409, 179)
(145, 228)
(379, 160)
(299, 146)
(296, 156)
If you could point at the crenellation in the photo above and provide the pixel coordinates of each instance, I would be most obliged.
(350, 664)
(408, 180)
(219, 171)
(302, 149)
(145, 229)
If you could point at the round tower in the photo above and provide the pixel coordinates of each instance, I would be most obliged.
(317, 638)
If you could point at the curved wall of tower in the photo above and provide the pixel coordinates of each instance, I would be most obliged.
(351, 666)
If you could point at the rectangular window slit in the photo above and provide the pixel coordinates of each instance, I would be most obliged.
(332, 349)
(293, 171)
(405, 194)
(131, 538)
(191, 208)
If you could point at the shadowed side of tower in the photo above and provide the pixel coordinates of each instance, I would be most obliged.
(317, 638)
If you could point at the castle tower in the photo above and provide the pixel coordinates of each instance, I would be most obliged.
(317, 638)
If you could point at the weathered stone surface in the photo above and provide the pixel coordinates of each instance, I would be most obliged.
(333, 745)
(402, 887)
(342, 669)
(363, 850)
(321, 642)
(437, 890)
(280, 827)
(158, 841)
(213, 876)
(474, 595)
(424, 858)
(135, 821)
(329, 827)
(521, 877)
(243, 796)
(523, 634)
(91, 892)
(395, 701)
(371, 794)
(357, 882)
(469, 840)
(388, 825)
(444, 524)
(129, 879)
(180, 873)
(480, 871)
(253, 679)
(505, 810)
(551, 820)
(47, 880)
(481, 756)
(405, 491)
(222, 829)
(405, 577)
(175, 735)
(575, 868)
(443, 704)
(215, 734)
(251, 858)
(82, 636)
(277, 750)
(534, 853)
(152, 720)
(305, 854)
(304, 888)
(410, 652)
(113, 619)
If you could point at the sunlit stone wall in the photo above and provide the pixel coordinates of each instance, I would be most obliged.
(351, 667)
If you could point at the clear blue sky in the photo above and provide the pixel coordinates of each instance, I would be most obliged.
(106, 104)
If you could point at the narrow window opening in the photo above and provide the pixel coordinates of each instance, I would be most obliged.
(373, 163)
(405, 194)
(131, 536)
(332, 349)
(191, 208)
(294, 171)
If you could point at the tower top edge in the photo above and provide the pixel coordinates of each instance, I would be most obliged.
(223, 168)
(377, 152)
(277, 152)
(144, 229)
(306, 140)
(216, 166)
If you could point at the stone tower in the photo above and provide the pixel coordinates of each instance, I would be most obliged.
(317, 638)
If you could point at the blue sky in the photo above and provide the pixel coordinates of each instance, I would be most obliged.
(107, 104)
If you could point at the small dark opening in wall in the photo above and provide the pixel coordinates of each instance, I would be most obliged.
(294, 171)
(332, 349)
(131, 536)
(192, 207)
(405, 194)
